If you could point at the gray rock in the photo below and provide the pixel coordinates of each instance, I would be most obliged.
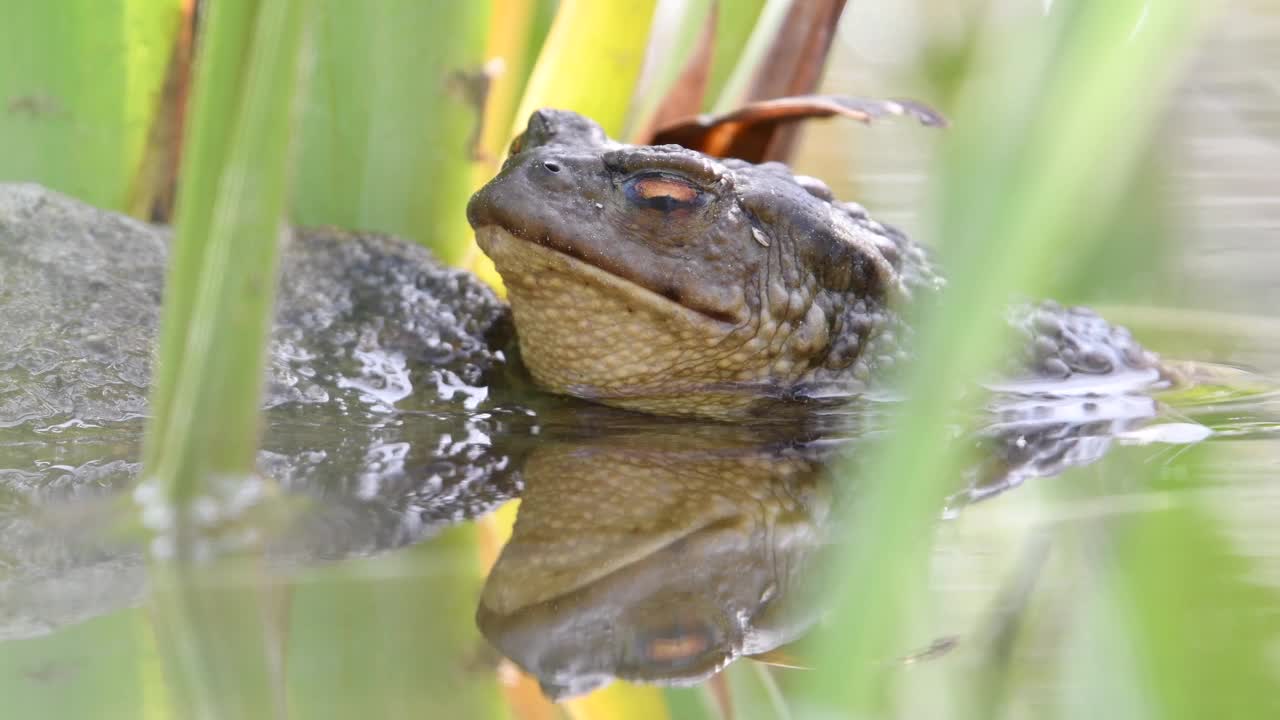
(364, 321)
(80, 300)
(378, 403)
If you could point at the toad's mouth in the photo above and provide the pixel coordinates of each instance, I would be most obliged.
(515, 252)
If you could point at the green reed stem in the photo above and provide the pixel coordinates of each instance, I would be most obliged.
(221, 281)
(222, 643)
(1040, 146)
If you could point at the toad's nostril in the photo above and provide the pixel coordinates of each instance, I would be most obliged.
(551, 166)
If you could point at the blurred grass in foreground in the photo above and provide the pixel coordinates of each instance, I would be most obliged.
(1039, 153)
(388, 131)
(220, 639)
(1044, 145)
(78, 91)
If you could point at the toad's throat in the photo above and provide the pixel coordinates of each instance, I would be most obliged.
(660, 292)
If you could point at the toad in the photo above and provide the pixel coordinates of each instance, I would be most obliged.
(663, 280)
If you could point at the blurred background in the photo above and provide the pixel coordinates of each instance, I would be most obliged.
(1121, 154)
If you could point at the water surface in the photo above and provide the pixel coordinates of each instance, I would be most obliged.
(661, 551)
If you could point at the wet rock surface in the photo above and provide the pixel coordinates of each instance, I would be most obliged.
(363, 321)
(365, 325)
(80, 293)
(379, 412)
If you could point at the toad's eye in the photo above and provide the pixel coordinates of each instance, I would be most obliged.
(663, 192)
(516, 145)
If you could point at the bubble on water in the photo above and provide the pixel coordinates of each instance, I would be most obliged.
(145, 492)
(157, 516)
(204, 511)
(163, 547)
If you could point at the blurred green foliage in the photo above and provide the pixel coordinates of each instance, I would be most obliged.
(381, 106)
(392, 637)
(591, 61)
(388, 131)
(79, 89)
(1043, 167)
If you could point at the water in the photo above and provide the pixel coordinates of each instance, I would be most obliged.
(383, 584)
(651, 551)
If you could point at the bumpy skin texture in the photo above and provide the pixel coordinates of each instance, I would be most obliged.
(1065, 342)
(660, 279)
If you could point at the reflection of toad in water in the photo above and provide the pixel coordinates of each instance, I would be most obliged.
(664, 553)
(654, 556)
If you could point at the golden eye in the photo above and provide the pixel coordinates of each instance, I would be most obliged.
(516, 145)
(663, 192)
(659, 187)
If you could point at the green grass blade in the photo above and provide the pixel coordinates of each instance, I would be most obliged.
(515, 41)
(590, 61)
(222, 273)
(736, 20)
(678, 32)
(755, 692)
(690, 703)
(1200, 626)
(215, 635)
(78, 91)
(389, 129)
(731, 93)
(1055, 127)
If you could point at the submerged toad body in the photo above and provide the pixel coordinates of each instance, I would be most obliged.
(660, 279)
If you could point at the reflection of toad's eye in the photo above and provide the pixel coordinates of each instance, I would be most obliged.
(677, 649)
(663, 192)
(691, 645)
